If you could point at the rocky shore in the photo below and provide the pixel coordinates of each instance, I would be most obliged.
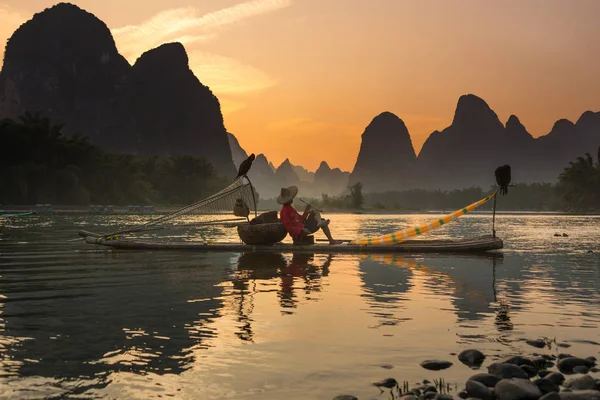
(521, 377)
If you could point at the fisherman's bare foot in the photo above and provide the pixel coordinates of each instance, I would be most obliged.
(334, 242)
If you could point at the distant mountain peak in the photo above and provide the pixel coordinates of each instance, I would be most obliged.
(474, 114)
(170, 56)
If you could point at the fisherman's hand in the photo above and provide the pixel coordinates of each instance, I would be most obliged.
(308, 208)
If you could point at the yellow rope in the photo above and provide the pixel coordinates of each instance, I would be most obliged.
(400, 236)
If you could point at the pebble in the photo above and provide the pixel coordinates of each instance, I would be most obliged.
(581, 395)
(479, 390)
(488, 380)
(507, 371)
(542, 374)
(444, 397)
(518, 360)
(529, 370)
(550, 396)
(436, 365)
(386, 383)
(566, 364)
(517, 389)
(409, 397)
(539, 343)
(345, 397)
(581, 369)
(581, 383)
(556, 377)
(471, 357)
(546, 385)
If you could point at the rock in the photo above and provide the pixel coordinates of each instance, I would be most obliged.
(564, 355)
(595, 369)
(581, 383)
(507, 371)
(556, 377)
(463, 395)
(471, 357)
(542, 374)
(479, 390)
(386, 366)
(529, 370)
(443, 397)
(580, 395)
(546, 385)
(409, 397)
(566, 364)
(430, 389)
(436, 365)
(592, 359)
(581, 369)
(517, 389)
(345, 397)
(488, 380)
(550, 396)
(563, 345)
(539, 343)
(429, 395)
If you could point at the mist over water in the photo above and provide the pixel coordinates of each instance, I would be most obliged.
(78, 321)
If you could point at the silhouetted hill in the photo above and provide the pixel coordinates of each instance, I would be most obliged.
(177, 114)
(237, 152)
(285, 173)
(467, 152)
(386, 155)
(303, 174)
(330, 181)
(64, 64)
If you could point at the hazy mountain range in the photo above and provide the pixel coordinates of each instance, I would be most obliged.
(64, 64)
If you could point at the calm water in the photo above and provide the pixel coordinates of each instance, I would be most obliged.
(81, 322)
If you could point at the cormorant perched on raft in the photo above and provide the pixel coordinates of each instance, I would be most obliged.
(503, 178)
(245, 166)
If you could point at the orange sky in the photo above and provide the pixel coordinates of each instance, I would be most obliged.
(303, 78)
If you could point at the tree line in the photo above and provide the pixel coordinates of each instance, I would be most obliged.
(577, 190)
(38, 164)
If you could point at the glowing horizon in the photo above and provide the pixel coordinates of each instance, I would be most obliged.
(302, 79)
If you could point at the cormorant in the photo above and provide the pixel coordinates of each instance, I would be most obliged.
(245, 166)
(503, 178)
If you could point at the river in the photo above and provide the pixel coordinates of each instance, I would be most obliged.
(78, 321)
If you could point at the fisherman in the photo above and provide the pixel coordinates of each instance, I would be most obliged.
(299, 226)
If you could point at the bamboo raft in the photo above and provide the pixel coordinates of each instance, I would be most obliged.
(472, 245)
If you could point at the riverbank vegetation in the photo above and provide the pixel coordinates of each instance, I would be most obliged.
(38, 164)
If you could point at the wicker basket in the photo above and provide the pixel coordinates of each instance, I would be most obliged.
(265, 234)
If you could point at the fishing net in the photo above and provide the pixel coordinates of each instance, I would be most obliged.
(230, 205)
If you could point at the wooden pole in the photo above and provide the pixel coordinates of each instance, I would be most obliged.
(494, 217)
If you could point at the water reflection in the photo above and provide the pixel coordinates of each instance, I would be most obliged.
(301, 268)
(127, 313)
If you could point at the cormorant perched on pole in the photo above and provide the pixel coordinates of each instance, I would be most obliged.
(503, 178)
(245, 166)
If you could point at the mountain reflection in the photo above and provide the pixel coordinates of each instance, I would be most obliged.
(469, 282)
(132, 313)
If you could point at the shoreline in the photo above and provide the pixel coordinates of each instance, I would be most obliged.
(160, 210)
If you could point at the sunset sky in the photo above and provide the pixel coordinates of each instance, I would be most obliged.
(303, 78)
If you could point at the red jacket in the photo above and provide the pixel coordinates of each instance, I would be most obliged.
(293, 222)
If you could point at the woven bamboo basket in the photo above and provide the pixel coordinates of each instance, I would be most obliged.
(261, 234)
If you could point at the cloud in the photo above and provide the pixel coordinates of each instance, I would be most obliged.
(226, 75)
(229, 106)
(169, 25)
